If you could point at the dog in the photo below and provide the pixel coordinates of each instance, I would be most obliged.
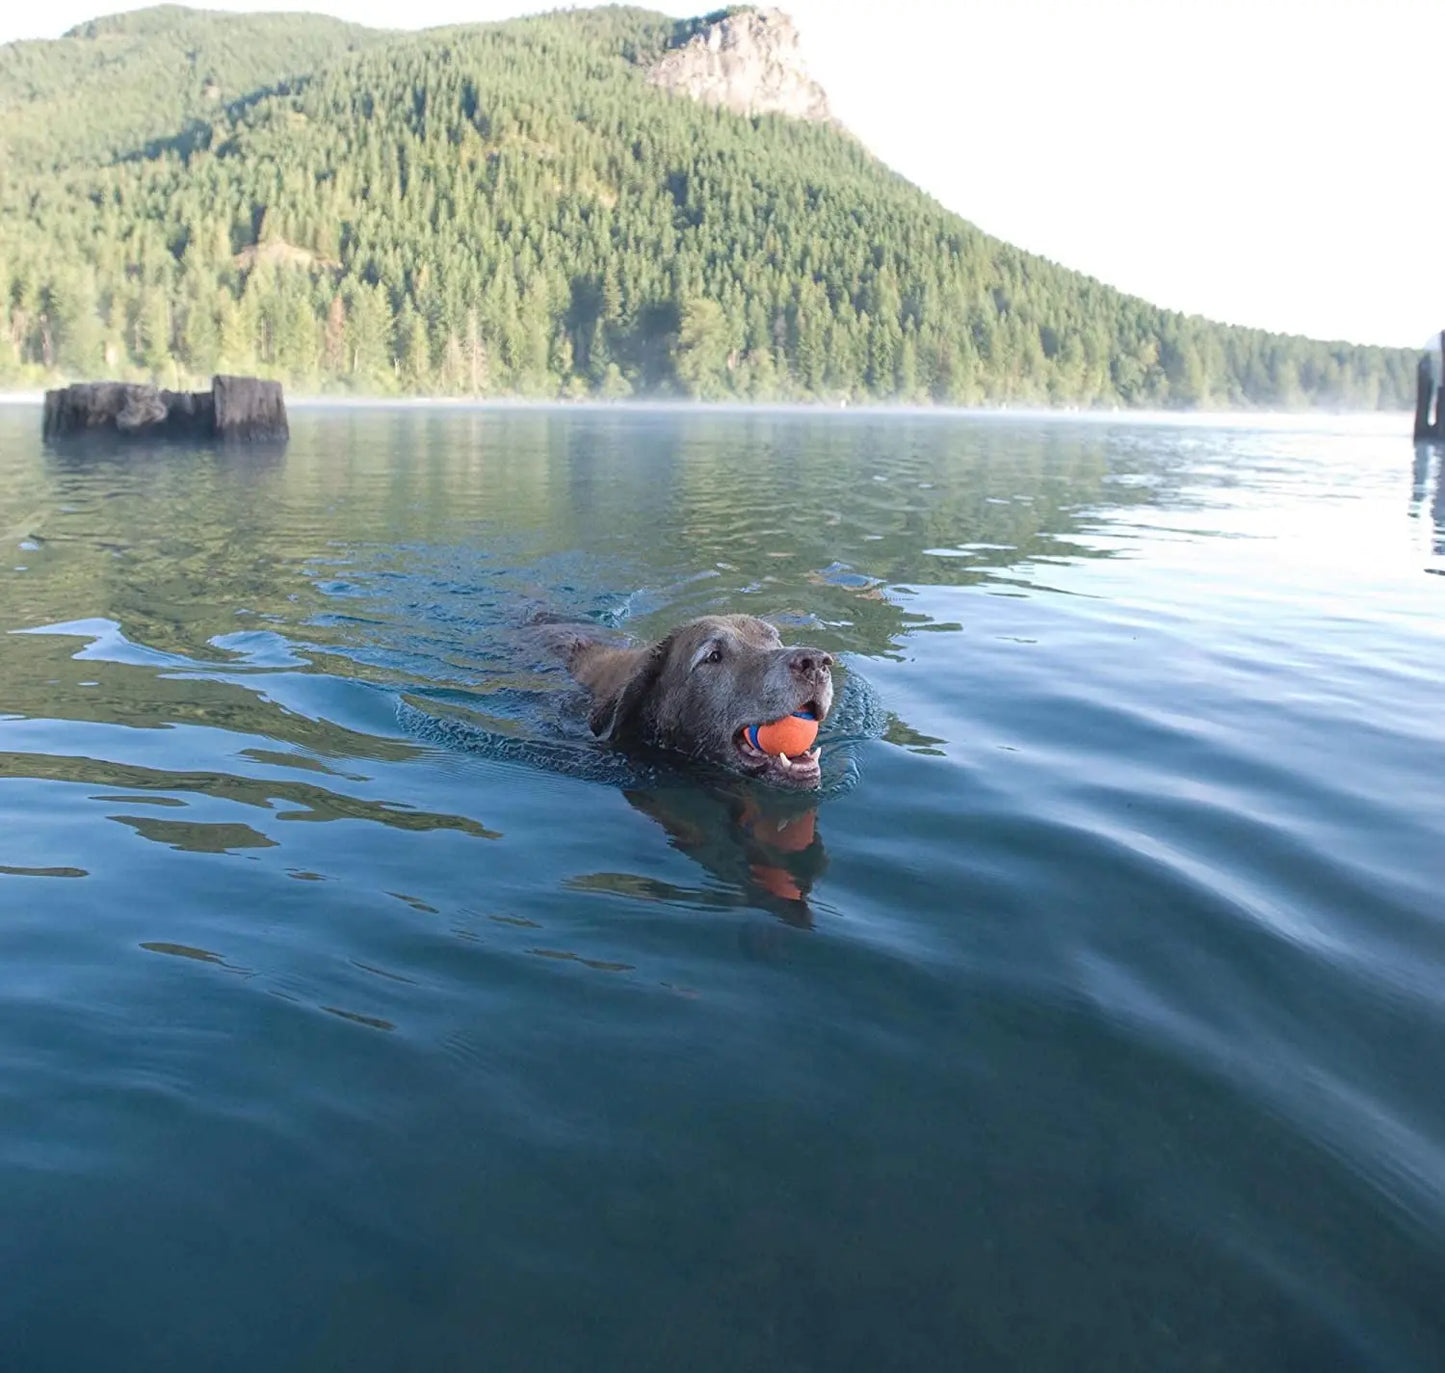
(698, 690)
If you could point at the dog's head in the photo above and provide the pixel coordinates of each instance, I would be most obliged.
(699, 689)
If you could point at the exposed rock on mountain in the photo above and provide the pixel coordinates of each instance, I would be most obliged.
(748, 61)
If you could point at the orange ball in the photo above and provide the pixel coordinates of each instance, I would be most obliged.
(793, 734)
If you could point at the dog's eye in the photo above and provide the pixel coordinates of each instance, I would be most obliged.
(710, 652)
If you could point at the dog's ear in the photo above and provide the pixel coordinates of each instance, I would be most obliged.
(619, 715)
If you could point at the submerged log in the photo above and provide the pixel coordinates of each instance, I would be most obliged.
(245, 409)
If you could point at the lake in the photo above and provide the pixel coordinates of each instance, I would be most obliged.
(358, 1011)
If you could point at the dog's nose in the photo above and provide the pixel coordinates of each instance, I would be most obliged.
(810, 662)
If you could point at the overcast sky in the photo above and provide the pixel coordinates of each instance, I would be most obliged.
(1278, 163)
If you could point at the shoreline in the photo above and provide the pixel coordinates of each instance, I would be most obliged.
(1270, 419)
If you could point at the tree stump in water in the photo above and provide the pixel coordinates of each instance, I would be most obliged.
(244, 409)
(247, 408)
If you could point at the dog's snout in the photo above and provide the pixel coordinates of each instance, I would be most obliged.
(810, 662)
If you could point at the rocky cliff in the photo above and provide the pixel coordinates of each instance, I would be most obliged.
(748, 61)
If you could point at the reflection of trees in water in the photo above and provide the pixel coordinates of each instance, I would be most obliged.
(42, 678)
(167, 540)
(379, 520)
(831, 518)
(307, 801)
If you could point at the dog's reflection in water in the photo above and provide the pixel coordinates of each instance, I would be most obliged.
(760, 845)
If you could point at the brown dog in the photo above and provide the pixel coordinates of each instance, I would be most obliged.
(698, 690)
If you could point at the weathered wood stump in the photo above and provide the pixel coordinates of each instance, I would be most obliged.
(244, 409)
(248, 408)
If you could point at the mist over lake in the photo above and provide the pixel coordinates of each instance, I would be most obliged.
(358, 1009)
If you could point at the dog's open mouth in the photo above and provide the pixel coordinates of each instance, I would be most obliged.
(788, 770)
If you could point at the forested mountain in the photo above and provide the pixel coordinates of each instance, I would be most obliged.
(113, 86)
(512, 209)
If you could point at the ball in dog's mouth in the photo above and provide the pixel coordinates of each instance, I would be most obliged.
(799, 768)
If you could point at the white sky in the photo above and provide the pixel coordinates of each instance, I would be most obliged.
(1278, 163)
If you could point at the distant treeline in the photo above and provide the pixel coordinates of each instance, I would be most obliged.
(511, 209)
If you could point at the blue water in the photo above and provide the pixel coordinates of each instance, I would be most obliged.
(358, 1011)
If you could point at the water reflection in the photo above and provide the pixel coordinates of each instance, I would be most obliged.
(9, 870)
(188, 951)
(761, 847)
(1427, 491)
(192, 836)
(311, 803)
(373, 1022)
(616, 511)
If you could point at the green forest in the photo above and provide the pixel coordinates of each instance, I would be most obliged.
(510, 209)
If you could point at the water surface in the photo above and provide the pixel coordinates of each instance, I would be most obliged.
(356, 1010)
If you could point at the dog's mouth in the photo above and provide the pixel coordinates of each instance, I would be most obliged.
(796, 770)
(799, 770)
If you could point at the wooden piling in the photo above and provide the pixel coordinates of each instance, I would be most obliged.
(1430, 393)
(1424, 396)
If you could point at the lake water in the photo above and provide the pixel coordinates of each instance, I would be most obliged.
(356, 1011)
